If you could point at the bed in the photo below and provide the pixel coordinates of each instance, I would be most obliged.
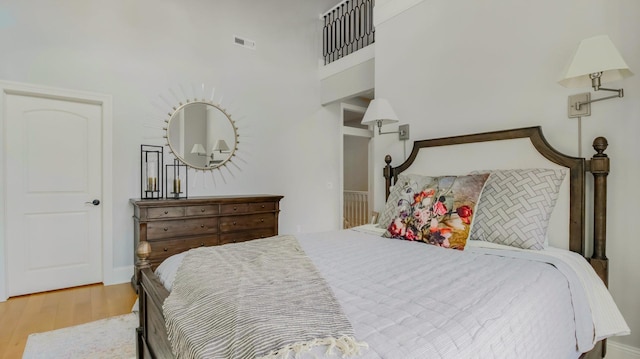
(406, 299)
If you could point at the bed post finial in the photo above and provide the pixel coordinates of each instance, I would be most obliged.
(142, 252)
(599, 167)
(387, 172)
(600, 144)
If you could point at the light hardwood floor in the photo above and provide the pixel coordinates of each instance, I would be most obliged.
(41, 312)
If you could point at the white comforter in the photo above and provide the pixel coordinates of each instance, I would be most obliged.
(411, 300)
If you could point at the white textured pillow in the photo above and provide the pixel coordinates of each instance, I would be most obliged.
(516, 206)
(167, 270)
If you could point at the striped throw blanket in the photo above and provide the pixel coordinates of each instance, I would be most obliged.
(258, 299)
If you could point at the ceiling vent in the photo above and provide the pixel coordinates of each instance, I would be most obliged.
(249, 44)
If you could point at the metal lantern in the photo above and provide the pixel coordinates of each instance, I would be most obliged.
(176, 180)
(151, 163)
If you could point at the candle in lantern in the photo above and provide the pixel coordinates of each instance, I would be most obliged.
(152, 180)
(176, 185)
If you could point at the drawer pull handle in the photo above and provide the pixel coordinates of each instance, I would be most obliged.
(202, 226)
(201, 244)
(234, 223)
(165, 249)
(202, 210)
(261, 219)
(166, 212)
(235, 208)
(263, 206)
(166, 229)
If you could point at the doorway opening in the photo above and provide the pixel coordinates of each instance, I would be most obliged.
(356, 194)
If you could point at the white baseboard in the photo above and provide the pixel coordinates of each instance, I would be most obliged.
(621, 351)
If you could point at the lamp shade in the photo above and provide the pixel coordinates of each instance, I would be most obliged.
(379, 110)
(220, 146)
(197, 148)
(594, 55)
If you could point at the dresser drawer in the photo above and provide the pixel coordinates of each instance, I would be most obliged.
(262, 206)
(161, 250)
(181, 227)
(240, 223)
(202, 210)
(234, 208)
(234, 237)
(166, 212)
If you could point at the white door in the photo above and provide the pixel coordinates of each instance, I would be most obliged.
(53, 173)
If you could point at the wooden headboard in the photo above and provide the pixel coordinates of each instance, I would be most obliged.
(598, 165)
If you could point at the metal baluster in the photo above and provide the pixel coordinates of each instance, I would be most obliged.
(336, 32)
(325, 33)
(347, 29)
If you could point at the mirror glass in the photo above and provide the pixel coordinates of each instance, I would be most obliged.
(202, 135)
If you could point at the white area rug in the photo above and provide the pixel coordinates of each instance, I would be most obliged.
(107, 338)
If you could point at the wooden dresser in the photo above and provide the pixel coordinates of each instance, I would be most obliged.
(172, 226)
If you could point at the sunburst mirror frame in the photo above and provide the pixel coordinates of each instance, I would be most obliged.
(233, 149)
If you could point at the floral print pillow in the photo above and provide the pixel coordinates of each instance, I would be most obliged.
(401, 196)
(441, 213)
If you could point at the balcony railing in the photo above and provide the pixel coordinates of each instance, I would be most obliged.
(356, 208)
(348, 27)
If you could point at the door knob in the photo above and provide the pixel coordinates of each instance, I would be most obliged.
(95, 202)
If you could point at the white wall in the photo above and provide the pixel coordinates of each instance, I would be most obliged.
(139, 50)
(451, 67)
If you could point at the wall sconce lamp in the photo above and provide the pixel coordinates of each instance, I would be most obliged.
(381, 113)
(596, 61)
(198, 149)
(220, 146)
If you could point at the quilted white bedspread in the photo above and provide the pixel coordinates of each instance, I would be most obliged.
(411, 300)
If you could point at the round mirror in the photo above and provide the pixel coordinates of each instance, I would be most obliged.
(202, 135)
